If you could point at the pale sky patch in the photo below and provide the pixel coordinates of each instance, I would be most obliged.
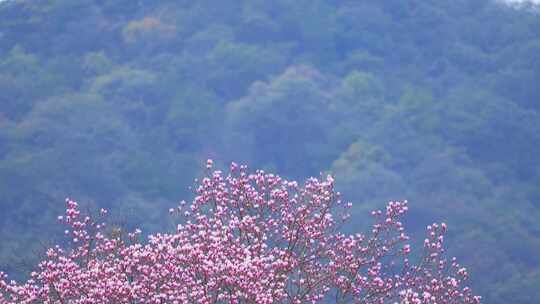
(522, 1)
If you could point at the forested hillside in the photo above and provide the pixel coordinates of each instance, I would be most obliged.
(117, 103)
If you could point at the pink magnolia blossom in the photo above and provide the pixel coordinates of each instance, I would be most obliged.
(247, 238)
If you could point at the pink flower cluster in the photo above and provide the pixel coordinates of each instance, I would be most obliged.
(247, 238)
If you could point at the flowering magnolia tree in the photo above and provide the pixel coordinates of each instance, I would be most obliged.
(247, 238)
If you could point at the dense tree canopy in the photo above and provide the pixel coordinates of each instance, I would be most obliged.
(116, 102)
(247, 237)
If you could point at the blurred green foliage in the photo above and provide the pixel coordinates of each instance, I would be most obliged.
(117, 103)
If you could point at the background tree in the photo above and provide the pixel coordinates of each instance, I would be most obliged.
(436, 102)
